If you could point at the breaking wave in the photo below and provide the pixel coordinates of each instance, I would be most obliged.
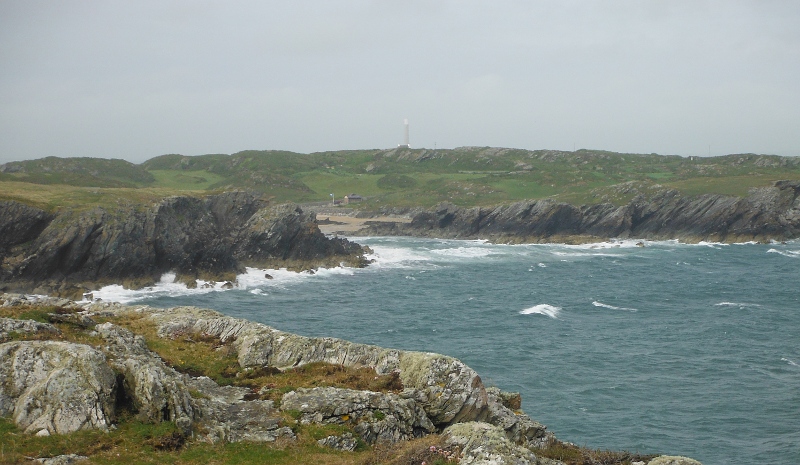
(602, 305)
(542, 309)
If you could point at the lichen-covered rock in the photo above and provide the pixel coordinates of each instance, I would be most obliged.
(252, 421)
(260, 345)
(345, 442)
(673, 460)
(69, 459)
(375, 416)
(445, 387)
(485, 444)
(511, 400)
(55, 387)
(226, 416)
(519, 427)
(10, 325)
(449, 390)
(157, 391)
(14, 300)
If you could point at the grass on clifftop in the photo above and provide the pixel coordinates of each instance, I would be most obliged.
(465, 176)
(133, 442)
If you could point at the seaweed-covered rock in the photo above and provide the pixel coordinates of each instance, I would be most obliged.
(52, 387)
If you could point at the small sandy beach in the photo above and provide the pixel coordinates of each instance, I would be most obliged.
(336, 224)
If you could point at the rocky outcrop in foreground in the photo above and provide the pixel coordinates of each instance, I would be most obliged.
(769, 213)
(213, 238)
(56, 387)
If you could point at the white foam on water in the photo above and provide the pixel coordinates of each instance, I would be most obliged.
(741, 305)
(165, 287)
(560, 253)
(395, 257)
(464, 252)
(541, 265)
(253, 279)
(612, 244)
(542, 309)
(611, 307)
(713, 245)
(790, 362)
(786, 253)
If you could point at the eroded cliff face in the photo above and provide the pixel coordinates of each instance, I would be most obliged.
(212, 238)
(770, 213)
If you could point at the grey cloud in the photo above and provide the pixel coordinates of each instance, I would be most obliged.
(138, 79)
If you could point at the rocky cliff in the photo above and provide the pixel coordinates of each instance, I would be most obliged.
(93, 370)
(770, 213)
(212, 238)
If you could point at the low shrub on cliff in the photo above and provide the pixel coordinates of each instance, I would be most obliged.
(571, 454)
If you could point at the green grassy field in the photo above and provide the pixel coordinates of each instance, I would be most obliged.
(465, 176)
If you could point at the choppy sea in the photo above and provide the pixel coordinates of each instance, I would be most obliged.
(668, 348)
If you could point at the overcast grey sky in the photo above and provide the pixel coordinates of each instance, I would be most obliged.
(138, 79)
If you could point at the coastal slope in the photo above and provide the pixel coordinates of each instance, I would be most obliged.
(656, 213)
(95, 366)
(213, 238)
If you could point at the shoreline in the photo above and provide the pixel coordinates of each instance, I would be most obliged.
(344, 224)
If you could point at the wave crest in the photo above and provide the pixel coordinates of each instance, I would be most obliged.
(611, 307)
(542, 309)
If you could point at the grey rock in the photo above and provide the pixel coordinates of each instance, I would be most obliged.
(485, 444)
(261, 345)
(56, 387)
(13, 300)
(210, 238)
(252, 421)
(157, 391)
(449, 390)
(226, 416)
(77, 319)
(9, 325)
(375, 416)
(518, 427)
(69, 459)
(345, 442)
(673, 460)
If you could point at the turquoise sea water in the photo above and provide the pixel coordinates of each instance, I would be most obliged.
(669, 348)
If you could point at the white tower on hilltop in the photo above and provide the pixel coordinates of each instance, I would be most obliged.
(405, 145)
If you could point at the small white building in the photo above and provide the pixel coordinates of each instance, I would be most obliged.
(353, 198)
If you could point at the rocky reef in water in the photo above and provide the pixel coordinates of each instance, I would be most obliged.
(54, 383)
(657, 213)
(212, 238)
